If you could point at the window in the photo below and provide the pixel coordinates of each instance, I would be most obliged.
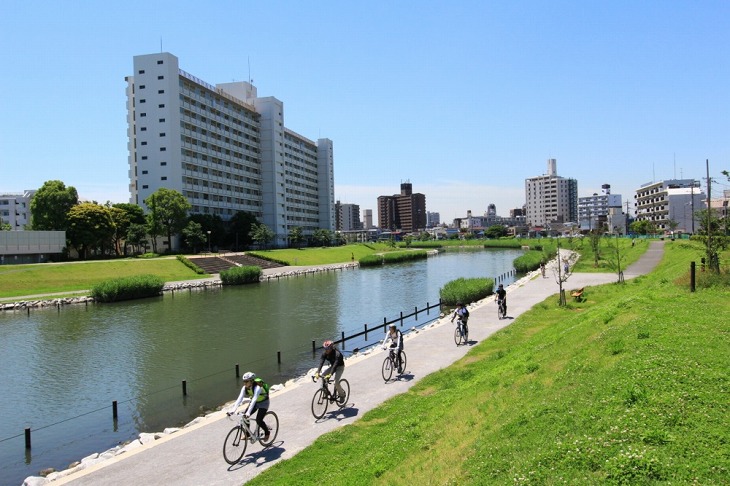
(163, 178)
(144, 172)
(163, 163)
(141, 71)
(145, 186)
(141, 86)
(160, 91)
(143, 129)
(142, 114)
(144, 143)
(144, 157)
(162, 134)
(160, 62)
(141, 101)
(161, 120)
(162, 149)
(161, 106)
(160, 77)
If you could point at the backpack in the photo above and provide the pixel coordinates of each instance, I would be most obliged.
(264, 386)
(466, 312)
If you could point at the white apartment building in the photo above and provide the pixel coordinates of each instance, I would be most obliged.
(367, 219)
(672, 200)
(15, 209)
(551, 198)
(347, 217)
(225, 149)
(593, 211)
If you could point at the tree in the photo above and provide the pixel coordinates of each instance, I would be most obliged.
(261, 234)
(193, 235)
(595, 238)
(642, 227)
(50, 206)
(90, 228)
(169, 213)
(296, 237)
(713, 236)
(124, 215)
(136, 236)
(408, 239)
(562, 276)
(214, 224)
(323, 237)
(495, 231)
(239, 229)
(5, 227)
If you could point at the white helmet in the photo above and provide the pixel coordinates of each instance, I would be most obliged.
(249, 376)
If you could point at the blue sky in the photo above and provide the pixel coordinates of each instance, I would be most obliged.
(463, 99)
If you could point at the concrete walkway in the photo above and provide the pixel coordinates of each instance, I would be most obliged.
(193, 456)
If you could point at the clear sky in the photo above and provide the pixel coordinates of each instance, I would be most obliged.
(464, 99)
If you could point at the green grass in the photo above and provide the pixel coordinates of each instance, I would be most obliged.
(630, 387)
(48, 278)
(323, 256)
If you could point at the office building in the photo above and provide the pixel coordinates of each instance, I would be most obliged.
(551, 198)
(432, 219)
(670, 205)
(404, 212)
(347, 217)
(225, 149)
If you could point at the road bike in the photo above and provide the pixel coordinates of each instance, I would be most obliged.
(390, 364)
(461, 333)
(323, 396)
(501, 309)
(234, 447)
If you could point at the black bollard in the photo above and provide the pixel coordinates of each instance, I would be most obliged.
(185, 388)
(238, 371)
(115, 413)
(27, 437)
(278, 357)
(692, 276)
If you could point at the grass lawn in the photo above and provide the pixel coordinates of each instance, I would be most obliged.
(324, 255)
(630, 387)
(47, 278)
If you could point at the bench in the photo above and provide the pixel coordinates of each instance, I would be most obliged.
(577, 295)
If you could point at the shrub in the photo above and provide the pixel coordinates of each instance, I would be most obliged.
(127, 288)
(404, 256)
(241, 275)
(466, 290)
(529, 261)
(190, 265)
(371, 261)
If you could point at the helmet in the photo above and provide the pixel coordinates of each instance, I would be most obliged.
(249, 376)
(501, 286)
(392, 326)
(327, 344)
(459, 304)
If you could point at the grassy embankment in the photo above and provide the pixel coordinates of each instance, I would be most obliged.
(630, 387)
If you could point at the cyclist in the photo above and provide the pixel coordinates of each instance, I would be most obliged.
(500, 296)
(396, 344)
(462, 314)
(258, 400)
(336, 365)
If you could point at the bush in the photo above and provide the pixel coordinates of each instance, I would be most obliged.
(128, 288)
(191, 265)
(529, 261)
(241, 275)
(371, 261)
(466, 290)
(393, 257)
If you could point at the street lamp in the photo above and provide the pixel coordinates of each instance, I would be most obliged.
(209, 241)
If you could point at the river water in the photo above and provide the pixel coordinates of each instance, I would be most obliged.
(62, 369)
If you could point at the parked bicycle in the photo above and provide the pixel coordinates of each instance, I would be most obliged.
(323, 397)
(392, 362)
(461, 333)
(501, 309)
(234, 447)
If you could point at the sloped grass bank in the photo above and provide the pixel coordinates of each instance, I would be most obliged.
(630, 387)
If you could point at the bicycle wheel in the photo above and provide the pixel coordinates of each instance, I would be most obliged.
(387, 368)
(319, 404)
(342, 401)
(272, 422)
(403, 361)
(457, 336)
(234, 446)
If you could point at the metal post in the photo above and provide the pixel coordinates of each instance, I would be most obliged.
(238, 371)
(115, 414)
(185, 388)
(278, 357)
(27, 437)
(692, 276)
(343, 339)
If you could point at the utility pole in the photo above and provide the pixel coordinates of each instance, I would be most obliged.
(692, 206)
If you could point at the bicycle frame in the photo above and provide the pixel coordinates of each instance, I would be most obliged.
(251, 435)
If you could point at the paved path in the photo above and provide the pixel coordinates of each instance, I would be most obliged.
(194, 455)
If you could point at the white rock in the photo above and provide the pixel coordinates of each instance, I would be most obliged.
(146, 438)
(35, 481)
(171, 430)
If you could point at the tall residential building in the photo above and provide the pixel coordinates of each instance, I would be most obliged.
(15, 209)
(405, 211)
(551, 198)
(593, 211)
(670, 204)
(225, 149)
(347, 217)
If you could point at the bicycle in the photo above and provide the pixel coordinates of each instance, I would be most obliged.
(234, 447)
(323, 396)
(501, 309)
(389, 363)
(461, 333)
